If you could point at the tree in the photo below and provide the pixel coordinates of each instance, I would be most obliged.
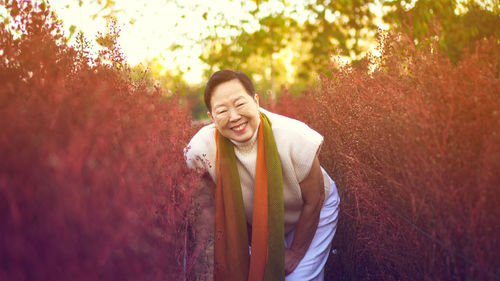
(256, 53)
(348, 27)
(310, 33)
(344, 25)
(456, 29)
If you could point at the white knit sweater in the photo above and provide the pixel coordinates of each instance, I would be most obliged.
(297, 145)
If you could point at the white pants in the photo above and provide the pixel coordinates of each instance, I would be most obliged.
(312, 266)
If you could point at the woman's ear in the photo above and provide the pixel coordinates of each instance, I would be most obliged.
(210, 116)
(256, 98)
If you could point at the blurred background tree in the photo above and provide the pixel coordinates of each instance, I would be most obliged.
(294, 42)
(290, 42)
(459, 24)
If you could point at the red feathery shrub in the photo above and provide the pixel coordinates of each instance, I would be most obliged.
(413, 142)
(93, 184)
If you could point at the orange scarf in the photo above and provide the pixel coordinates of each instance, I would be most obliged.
(232, 259)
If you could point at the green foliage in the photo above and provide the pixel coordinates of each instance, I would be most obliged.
(255, 53)
(341, 27)
(339, 24)
(457, 29)
(262, 53)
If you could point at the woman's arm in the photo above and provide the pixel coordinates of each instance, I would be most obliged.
(313, 195)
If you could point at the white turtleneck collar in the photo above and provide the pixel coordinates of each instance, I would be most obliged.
(249, 145)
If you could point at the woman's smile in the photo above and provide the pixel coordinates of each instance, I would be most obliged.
(239, 128)
(234, 111)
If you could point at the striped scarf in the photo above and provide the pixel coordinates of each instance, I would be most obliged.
(232, 258)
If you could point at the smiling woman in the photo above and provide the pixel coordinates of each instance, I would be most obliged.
(236, 113)
(275, 207)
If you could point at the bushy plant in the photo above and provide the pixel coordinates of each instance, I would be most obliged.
(413, 142)
(93, 184)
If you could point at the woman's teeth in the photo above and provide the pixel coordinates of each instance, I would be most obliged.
(240, 127)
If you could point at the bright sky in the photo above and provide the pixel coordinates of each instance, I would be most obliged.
(150, 27)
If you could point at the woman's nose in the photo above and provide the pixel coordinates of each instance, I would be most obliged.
(234, 115)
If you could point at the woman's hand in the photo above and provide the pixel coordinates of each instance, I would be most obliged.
(292, 259)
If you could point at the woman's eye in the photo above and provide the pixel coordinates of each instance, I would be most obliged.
(240, 105)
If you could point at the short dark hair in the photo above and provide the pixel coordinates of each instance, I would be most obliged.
(225, 75)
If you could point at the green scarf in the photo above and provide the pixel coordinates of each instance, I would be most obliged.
(232, 260)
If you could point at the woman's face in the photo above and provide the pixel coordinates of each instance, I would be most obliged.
(234, 112)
